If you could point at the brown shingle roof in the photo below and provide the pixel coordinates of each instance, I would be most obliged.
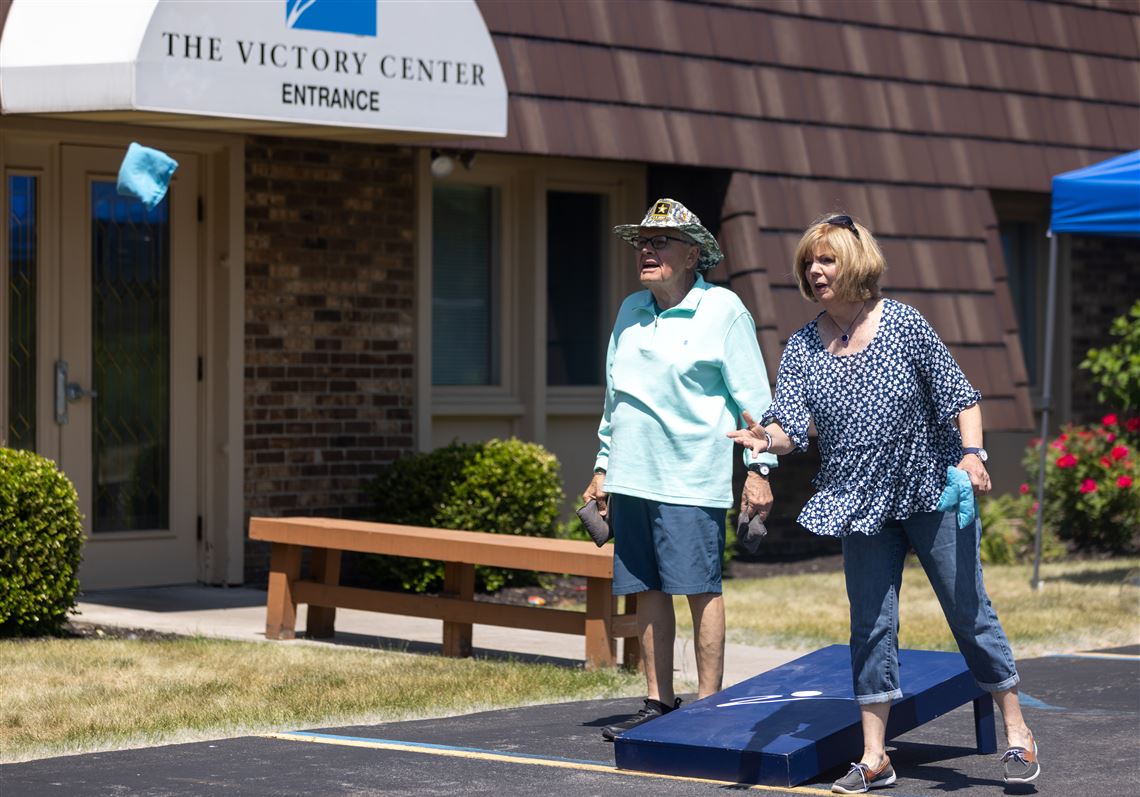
(904, 114)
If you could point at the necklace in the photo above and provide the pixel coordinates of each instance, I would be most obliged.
(845, 334)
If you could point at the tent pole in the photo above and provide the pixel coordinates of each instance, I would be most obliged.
(1046, 405)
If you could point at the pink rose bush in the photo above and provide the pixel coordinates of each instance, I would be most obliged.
(1091, 473)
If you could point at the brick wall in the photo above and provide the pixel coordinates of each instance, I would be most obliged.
(328, 325)
(1105, 283)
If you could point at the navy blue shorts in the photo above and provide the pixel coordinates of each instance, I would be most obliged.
(672, 548)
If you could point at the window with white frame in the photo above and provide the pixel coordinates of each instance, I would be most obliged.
(576, 287)
(465, 285)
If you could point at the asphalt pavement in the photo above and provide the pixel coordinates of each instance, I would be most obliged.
(1084, 709)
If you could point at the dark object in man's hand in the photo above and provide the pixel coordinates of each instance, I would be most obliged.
(598, 526)
(750, 533)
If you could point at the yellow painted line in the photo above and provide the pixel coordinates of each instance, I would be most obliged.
(480, 755)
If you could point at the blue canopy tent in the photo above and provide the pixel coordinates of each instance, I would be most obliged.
(1102, 199)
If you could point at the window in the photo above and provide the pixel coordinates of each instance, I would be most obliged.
(21, 366)
(575, 288)
(465, 285)
(1020, 242)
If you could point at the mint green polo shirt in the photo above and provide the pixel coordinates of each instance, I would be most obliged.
(677, 382)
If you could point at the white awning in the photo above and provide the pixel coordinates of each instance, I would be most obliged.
(396, 65)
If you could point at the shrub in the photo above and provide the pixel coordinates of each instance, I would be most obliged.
(500, 486)
(1116, 368)
(1009, 530)
(41, 538)
(1092, 483)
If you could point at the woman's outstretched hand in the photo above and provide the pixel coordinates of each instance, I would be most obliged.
(751, 436)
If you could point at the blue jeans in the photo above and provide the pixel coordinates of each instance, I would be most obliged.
(873, 566)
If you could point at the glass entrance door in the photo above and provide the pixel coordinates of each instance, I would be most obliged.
(126, 385)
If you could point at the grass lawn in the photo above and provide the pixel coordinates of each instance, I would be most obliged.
(1084, 605)
(64, 696)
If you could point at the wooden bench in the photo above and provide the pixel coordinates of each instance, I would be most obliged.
(460, 551)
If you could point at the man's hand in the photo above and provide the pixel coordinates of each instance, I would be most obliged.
(594, 492)
(756, 497)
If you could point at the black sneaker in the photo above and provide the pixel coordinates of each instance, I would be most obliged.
(1020, 765)
(861, 779)
(652, 710)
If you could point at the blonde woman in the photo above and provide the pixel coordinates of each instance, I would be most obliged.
(892, 410)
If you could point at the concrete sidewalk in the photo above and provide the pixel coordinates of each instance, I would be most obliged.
(239, 613)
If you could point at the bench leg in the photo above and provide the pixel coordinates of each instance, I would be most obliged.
(601, 647)
(984, 732)
(326, 569)
(631, 646)
(458, 582)
(281, 609)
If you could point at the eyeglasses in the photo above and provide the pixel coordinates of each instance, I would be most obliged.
(846, 222)
(659, 242)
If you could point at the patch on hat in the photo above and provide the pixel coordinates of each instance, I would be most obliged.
(670, 214)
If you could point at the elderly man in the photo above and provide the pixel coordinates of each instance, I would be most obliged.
(683, 363)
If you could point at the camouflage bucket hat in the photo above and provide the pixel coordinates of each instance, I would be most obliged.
(670, 214)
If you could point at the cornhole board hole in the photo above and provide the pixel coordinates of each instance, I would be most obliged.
(787, 725)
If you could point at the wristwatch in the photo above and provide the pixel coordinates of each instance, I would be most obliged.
(980, 453)
(761, 468)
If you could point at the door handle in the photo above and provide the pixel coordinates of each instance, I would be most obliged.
(67, 392)
(75, 391)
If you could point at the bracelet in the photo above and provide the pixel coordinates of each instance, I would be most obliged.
(767, 436)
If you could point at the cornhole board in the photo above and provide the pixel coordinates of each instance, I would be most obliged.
(788, 725)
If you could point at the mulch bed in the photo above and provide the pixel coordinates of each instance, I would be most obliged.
(572, 589)
(76, 630)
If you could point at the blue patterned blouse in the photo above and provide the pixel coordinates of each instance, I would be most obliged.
(883, 416)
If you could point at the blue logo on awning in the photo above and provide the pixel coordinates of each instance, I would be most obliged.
(332, 16)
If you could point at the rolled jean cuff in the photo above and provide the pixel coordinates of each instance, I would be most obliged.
(879, 697)
(1008, 683)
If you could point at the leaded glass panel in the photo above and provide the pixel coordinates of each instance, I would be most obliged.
(23, 254)
(130, 259)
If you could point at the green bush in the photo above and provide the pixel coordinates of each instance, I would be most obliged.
(500, 486)
(1009, 530)
(1116, 368)
(1092, 483)
(41, 539)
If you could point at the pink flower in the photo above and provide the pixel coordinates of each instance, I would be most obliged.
(1106, 462)
(1120, 452)
(1067, 461)
(1133, 425)
(1109, 420)
(1110, 437)
(1024, 489)
(1063, 436)
(1058, 444)
(1124, 481)
(1088, 486)
(1033, 509)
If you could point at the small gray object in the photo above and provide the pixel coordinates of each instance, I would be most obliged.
(596, 524)
(749, 534)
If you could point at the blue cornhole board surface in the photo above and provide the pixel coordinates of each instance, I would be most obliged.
(788, 725)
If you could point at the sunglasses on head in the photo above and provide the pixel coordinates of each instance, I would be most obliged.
(846, 222)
